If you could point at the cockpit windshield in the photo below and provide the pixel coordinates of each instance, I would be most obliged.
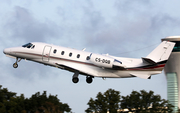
(28, 45)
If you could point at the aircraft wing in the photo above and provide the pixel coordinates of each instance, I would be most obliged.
(85, 69)
(73, 68)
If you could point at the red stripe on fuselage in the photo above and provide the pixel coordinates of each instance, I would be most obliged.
(149, 68)
(135, 68)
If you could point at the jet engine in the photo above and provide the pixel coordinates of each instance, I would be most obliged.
(106, 62)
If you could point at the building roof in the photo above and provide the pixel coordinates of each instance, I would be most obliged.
(171, 38)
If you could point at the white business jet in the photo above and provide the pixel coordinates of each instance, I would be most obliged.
(91, 64)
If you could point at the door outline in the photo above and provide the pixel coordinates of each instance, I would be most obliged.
(46, 53)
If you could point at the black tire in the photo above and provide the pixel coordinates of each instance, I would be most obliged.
(75, 80)
(89, 80)
(15, 65)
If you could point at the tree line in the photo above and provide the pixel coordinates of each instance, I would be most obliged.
(137, 102)
(110, 101)
(37, 103)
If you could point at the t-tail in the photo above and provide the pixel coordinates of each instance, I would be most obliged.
(154, 63)
(160, 54)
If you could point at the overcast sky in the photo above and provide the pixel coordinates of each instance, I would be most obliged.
(118, 27)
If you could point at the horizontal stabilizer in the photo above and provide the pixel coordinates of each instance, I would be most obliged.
(141, 75)
(147, 60)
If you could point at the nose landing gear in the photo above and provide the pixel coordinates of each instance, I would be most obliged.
(15, 65)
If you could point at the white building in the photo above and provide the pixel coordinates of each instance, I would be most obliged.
(172, 71)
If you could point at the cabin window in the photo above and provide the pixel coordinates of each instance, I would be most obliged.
(87, 58)
(54, 51)
(70, 54)
(78, 56)
(62, 53)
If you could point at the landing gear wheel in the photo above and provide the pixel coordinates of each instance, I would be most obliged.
(75, 80)
(15, 65)
(89, 80)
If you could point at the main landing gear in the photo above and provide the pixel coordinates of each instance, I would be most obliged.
(15, 65)
(89, 79)
(75, 78)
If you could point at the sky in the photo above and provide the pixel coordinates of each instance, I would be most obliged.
(125, 28)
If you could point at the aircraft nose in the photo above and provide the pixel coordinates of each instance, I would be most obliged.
(6, 51)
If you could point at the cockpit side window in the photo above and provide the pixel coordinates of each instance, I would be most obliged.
(33, 47)
(25, 45)
(28, 45)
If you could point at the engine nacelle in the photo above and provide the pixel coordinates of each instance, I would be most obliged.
(105, 61)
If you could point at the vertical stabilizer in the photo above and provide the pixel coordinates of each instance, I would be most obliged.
(160, 53)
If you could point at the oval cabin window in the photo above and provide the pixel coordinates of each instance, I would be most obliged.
(62, 53)
(70, 54)
(78, 56)
(54, 51)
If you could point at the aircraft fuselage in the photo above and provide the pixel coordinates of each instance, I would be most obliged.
(85, 63)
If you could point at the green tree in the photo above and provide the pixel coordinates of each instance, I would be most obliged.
(10, 103)
(178, 111)
(41, 103)
(145, 102)
(109, 101)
